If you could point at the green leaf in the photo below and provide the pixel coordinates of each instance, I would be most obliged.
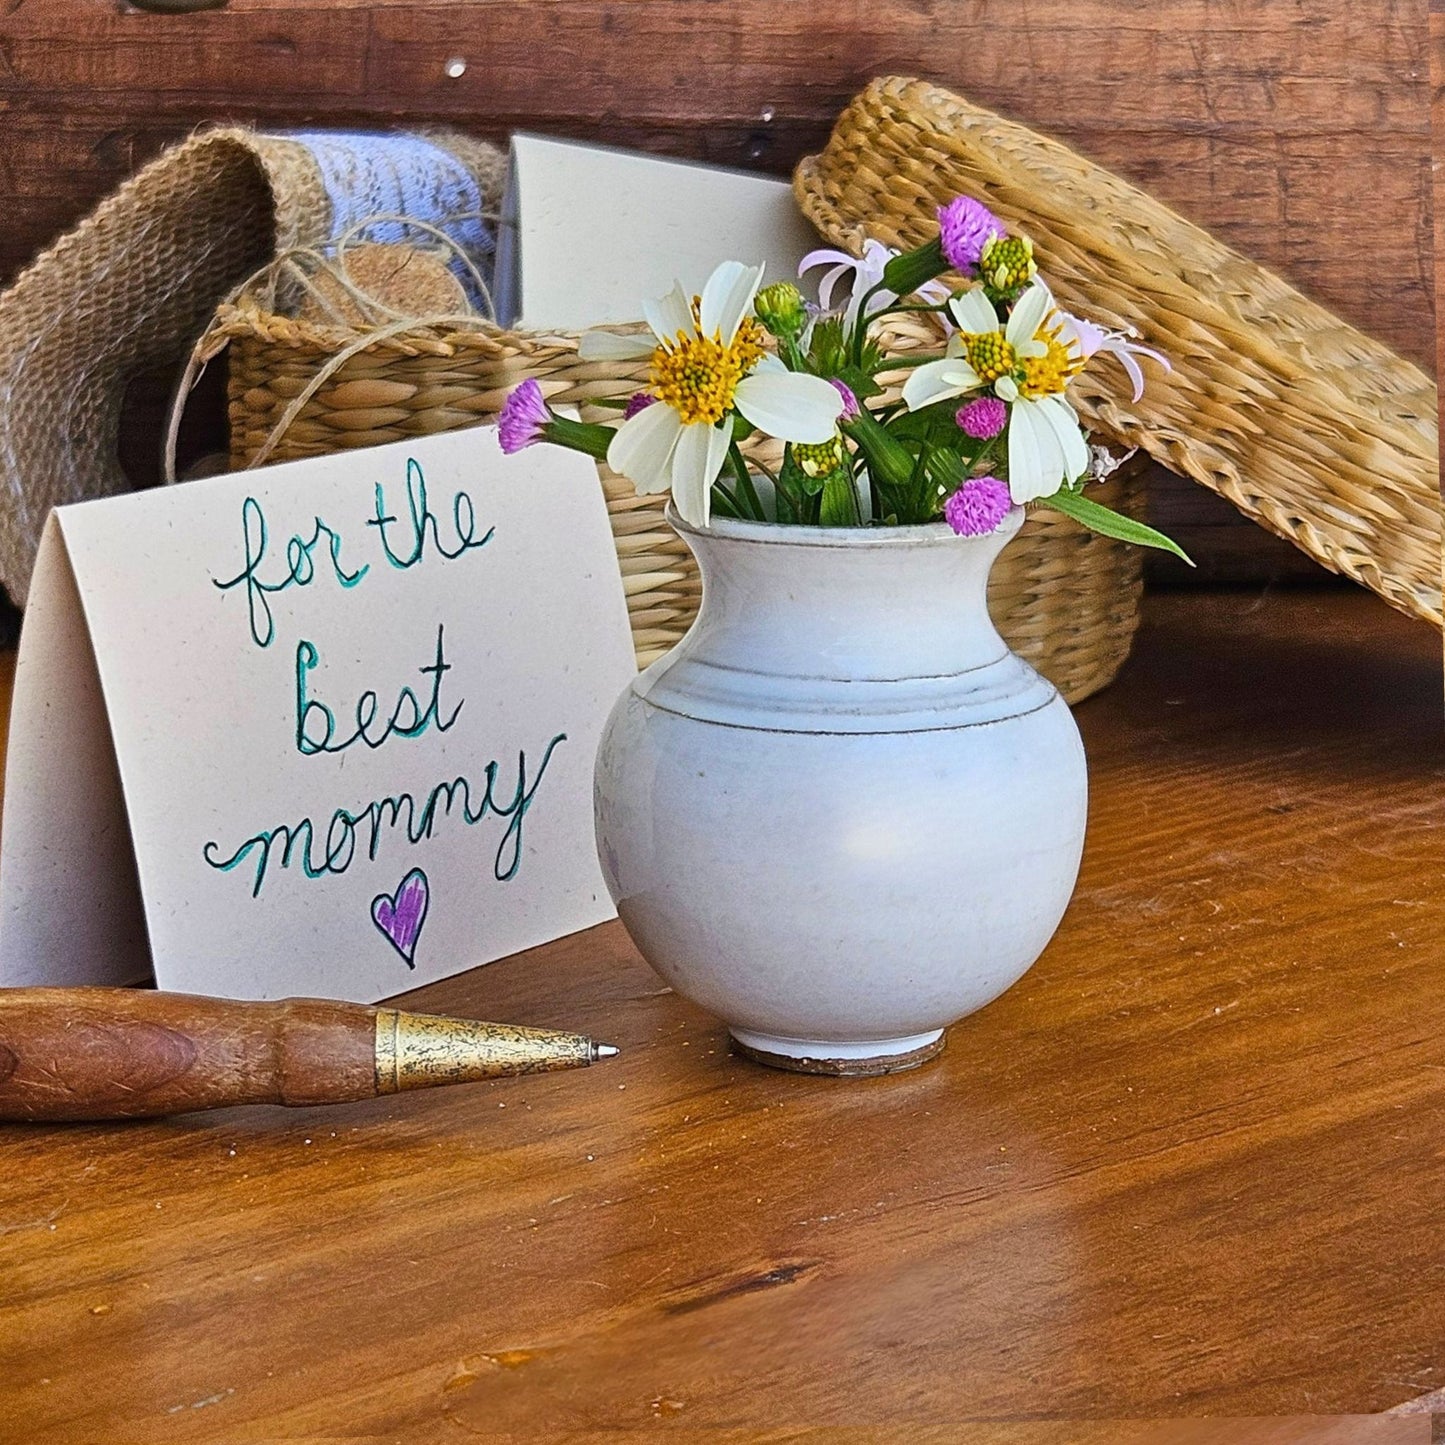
(840, 502)
(913, 425)
(1109, 523)
(723, 502)
(828, 350)
(859, 382)
(946, 468)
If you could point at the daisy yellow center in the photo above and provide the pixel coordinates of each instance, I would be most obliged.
(1049, 374)
(697, 375)
(990, 355)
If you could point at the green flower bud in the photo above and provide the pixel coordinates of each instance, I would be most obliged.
(890, 463)
(820, 459)
(780, 308)
(1006, 266)
(904, 274)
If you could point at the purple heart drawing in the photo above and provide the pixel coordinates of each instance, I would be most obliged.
(399, 916)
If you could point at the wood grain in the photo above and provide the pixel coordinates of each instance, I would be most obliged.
(1189, 1166)
(1288, 130)
(1436, 35)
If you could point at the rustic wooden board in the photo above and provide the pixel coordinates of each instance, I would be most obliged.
(1188, 1166)
(1298, 133)
(1437, 125)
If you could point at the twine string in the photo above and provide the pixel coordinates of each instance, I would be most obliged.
(295, 272)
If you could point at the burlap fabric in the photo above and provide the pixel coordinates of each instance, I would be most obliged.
(128, 291)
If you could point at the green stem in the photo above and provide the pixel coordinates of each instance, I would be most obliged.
(861, 323)
(908, 306)
(900, 363)
(723, 501)
(746, 491)
(580, 436)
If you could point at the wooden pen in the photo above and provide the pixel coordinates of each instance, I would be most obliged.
(116, 1053)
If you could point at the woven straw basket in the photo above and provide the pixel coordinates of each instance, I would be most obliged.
(1064, 599)
(1320, 433)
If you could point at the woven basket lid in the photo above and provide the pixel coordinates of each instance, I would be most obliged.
(1311, 428)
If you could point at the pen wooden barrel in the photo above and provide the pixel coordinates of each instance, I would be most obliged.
(86, 1053)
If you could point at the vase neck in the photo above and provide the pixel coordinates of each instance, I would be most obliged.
(811, 629)
(872, 605)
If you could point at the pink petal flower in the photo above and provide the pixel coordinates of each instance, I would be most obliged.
(983, 418)
(850, 401)
(965, 227)
(977, 507)
(524, 415)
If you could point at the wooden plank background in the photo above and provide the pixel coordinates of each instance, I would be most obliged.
(1298, 132)
(1437, 126)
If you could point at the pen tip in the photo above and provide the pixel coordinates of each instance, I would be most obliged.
(605, 1051)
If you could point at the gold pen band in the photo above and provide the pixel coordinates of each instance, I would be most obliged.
(388, 1072)
(415, 1051)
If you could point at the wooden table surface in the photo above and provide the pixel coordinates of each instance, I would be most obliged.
(1191, 1165)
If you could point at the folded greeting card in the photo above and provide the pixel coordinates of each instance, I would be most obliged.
(324, 728)
(586, 231)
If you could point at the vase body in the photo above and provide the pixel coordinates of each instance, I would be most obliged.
(840, 814)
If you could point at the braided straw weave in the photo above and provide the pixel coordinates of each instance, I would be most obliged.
(1320, 433)
(1063, 598)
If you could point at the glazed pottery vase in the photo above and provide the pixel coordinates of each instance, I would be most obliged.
(840, 814)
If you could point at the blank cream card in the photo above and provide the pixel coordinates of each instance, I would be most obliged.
(588, 234)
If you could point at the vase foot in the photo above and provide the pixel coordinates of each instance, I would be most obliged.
(850, 1061)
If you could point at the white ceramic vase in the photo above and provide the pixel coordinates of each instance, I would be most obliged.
(840, 813)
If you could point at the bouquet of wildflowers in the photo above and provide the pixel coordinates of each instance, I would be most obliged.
(978, 429)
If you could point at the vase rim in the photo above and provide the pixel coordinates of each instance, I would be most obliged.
(791, 534)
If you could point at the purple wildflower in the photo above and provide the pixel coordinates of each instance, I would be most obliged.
(524, 415)
(850, 402)
(965, 227)
(638, 401)
(983, 418)
(977, 507)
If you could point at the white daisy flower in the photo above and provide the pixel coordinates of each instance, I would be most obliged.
(1027, 365)
(707, 362)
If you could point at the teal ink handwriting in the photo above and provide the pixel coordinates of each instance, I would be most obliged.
(347, 830)
(300, 567)
(409, 719)
(423, 522)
